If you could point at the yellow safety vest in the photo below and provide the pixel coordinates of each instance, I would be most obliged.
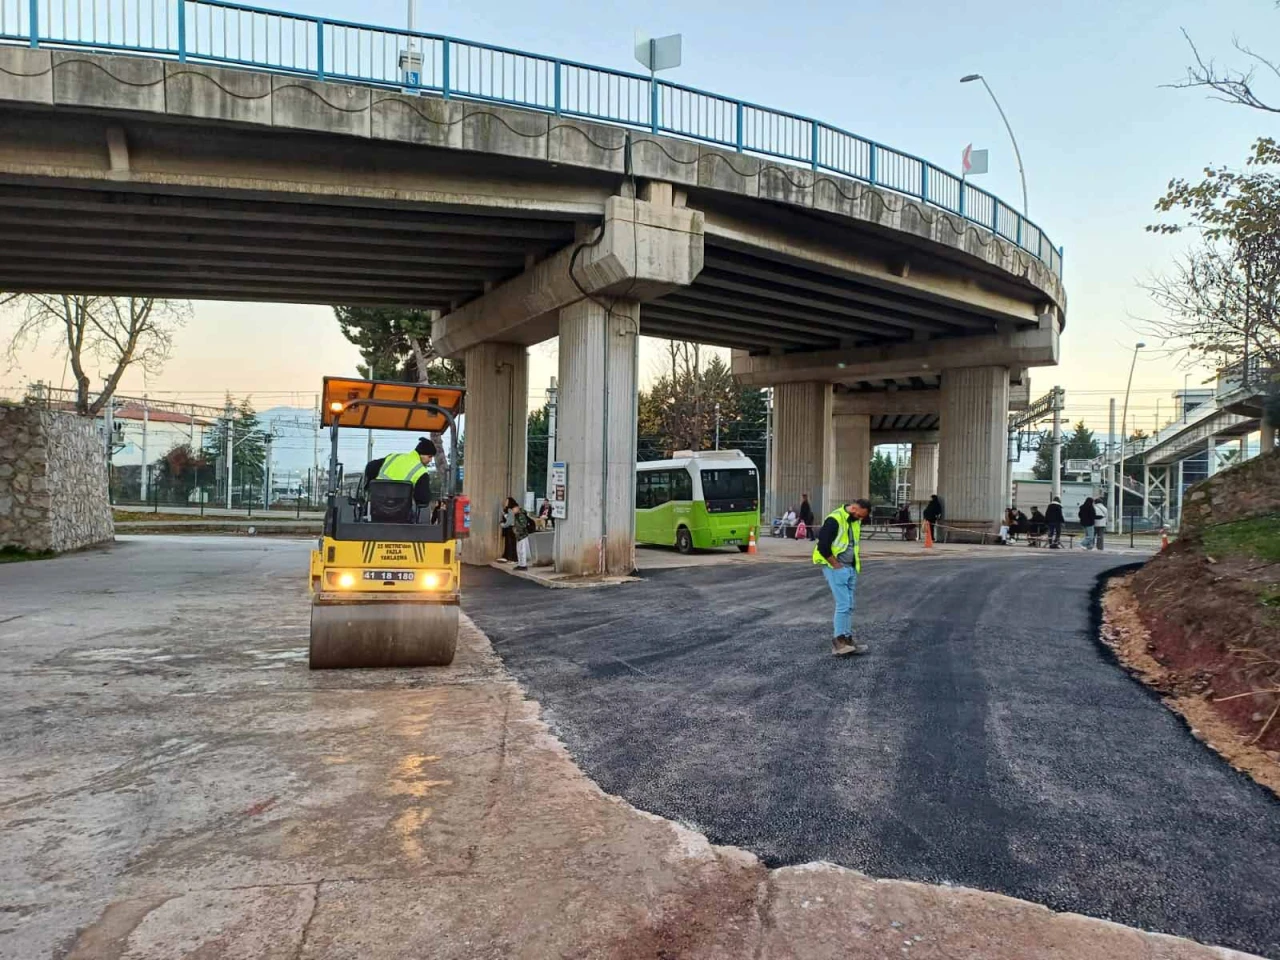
(847, 529)
(402, 466)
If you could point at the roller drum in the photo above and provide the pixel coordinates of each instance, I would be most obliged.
(383, 635)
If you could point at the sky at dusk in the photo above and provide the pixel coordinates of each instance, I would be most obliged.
(1081, 83)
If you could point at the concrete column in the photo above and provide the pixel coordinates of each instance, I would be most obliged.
(495, 426)
(1267, 437)
(974, 433)
(850, 458)
(596, 423)
(924, 471)
(802, 447)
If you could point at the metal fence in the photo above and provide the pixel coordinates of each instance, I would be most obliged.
(214, 31)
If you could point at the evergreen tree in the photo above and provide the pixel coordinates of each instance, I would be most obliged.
(1078, 444)
(882, 477)
(248, 460)
(538, 449)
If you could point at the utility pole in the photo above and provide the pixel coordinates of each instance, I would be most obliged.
(717, 424)
(266, 471)
(368, 455)
(1124, 426)
(231, 455)
(768, 454)
(1056, 441)
(553, 394)
(1111, 467)
(315, 456)
(145, 461)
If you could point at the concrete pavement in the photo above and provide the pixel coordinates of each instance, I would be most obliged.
(175, 783)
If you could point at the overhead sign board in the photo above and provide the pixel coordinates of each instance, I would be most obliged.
(661, 53)
(973, 162)
(1079, 466)
(558, 494)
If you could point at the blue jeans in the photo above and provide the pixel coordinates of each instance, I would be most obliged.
(842, 582)
(1087, 541)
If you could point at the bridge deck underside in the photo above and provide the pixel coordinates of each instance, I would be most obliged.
(752, 302)
(121, 241)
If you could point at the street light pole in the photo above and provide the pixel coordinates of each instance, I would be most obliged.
(717, 425)
(1119, 506)
(1016, 152)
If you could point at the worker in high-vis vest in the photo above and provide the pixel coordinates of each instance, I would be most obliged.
(839, 554)
(408, 467)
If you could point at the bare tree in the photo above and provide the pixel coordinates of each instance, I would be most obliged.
(1230, 85)
(118, 332)
(1220, 307)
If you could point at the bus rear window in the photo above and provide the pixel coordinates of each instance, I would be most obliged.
(729, 485)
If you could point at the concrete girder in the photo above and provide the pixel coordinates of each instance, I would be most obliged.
(653, 317)
(891, 308)
(1024, 348)
(642, 251)
(887, 401)
(814, 249)
(904, 436)
(696, 299)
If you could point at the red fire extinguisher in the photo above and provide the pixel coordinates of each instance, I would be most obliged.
(461, 516)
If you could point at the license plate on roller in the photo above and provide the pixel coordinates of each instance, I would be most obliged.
(388, 574)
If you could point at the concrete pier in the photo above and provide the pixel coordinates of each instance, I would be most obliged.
(494, 462)
(924, 471)
(972, 458)
(596, 437)
(851, 458)
(802, 448)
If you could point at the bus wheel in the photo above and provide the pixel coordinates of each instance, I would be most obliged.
(684, 540)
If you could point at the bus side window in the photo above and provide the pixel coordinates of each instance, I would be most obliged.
(681, 486)
(659, 488)
(642, 491)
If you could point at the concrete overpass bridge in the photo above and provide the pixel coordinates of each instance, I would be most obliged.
(227, 152)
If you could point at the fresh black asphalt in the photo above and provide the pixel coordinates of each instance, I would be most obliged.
(987, 740)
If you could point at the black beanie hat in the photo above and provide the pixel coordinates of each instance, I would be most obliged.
(425, 447)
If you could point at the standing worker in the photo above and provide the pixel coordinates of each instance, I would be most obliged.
(839, 553)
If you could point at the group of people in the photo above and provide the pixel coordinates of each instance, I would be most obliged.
(797, 522)
(1093, 520)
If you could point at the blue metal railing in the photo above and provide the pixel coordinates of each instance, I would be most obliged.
(215, 31)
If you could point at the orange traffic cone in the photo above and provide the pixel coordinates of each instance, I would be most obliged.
(751, 541)
(928, 534)
(1164, 538)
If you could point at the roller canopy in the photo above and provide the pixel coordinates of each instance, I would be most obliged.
(340, 392)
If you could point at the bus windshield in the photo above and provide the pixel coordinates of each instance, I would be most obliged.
(738, 485)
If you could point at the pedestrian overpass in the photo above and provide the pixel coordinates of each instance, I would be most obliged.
(204, 149)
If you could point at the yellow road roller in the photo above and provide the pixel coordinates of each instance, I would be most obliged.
(385, 574)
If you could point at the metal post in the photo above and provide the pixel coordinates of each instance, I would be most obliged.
(231, 454)
(368, 453)
(266, 464)
(813, 144)
(1146, 491)
(182, 31)
(872, 161)
(741, 113)
(1056, 490)
(556, 80)
(653, 89)
(35, 23)
(320, 50)
(717, 425)
(552, 403)
(924, 181)
(1111, 464)
(444, 64)
(1123, 428)
(145, 422)
(768, 453)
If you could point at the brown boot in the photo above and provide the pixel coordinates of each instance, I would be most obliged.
(842, 646)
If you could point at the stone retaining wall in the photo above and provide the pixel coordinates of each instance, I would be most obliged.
(1248, 489)
(53, 481)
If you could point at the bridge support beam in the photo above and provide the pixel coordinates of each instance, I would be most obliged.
(972, 457)
(596, 437)
(851, 458)
(924, 471)
(802, 447)
(496, 415)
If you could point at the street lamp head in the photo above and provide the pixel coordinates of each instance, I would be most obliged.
(1139, 345)
(971, 77)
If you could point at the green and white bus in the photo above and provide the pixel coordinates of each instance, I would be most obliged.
(698, 500)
